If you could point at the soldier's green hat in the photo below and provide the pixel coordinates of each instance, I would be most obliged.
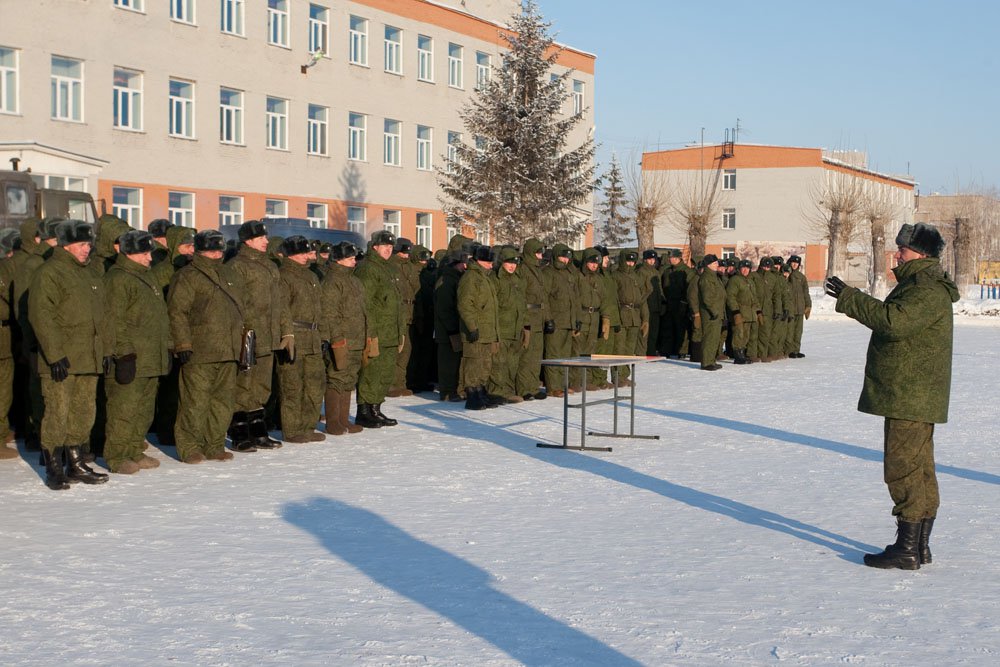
(135, 242)
(296, 245)
(675, 252)
(251, 229)
(628, 256)
(508, 254)
(591, 255)
(208, 240)
(74, 231)
(383, 237)
(532, 246)
(561, 250)
(8, 240)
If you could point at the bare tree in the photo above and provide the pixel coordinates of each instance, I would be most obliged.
(976, 234)
(837, 197)
(878, 210)
(649, 196)
(695, 205)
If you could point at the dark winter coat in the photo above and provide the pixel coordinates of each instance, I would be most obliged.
(477, 303)
(446, 303)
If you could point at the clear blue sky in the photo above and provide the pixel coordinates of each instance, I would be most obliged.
(911, 83)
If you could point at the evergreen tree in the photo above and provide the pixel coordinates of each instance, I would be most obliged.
(513, 174)
(614, 223)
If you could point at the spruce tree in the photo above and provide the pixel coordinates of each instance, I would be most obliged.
(514, 175)
(614, 223)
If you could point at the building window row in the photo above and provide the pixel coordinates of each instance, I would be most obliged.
(357, 217)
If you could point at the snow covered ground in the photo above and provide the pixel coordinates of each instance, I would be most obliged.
(453, 540)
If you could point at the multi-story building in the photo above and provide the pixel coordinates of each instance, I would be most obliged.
(765, 200)
(211, 112)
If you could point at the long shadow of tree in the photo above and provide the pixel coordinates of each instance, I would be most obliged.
(447, 585)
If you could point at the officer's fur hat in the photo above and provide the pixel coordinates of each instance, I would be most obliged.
(8, 240)
(649, 254)
(135, 242)
(47, 227)
(708, 259)
(383, 237)
(74, 231)
(208, 240)
(403, 245)
(925, 239)
(158, 228)
(424, 255)
(484, 253)
(343, 250)
(251, 229)
(296, 245)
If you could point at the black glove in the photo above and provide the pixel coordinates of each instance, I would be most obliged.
(775, 317)
(549, 327)
(834, 286)
(125, 369)
(617, 328)
(472, 336)
(578, 326)
(183, 357)
(106, 364)
(784, 315)
(324, 347)
(60, 370)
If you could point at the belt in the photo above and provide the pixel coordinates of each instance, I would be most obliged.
(628, 305)
(409, 301)
(312, 326)
(534, 306)
(6, 323)
(589, 309)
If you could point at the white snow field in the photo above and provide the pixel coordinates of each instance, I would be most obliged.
(452, 539)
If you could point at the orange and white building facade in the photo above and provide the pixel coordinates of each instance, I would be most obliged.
(210, 112)
(765, 202)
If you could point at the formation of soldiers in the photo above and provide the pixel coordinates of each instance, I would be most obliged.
(111, 333)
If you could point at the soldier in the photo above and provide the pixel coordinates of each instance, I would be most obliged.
(158, 228)
(711, 311)
(137, 319)
(764, 285)
(409, 286)
(675, 320)
(611, 318)
(206, 305)
(322, 263)
(695, 339)
(267, 315)
(782, 304)
(801, 306)
(384, 309)
(106, 232)
(423, 355)
(344, 325)
(446, 325)
(301, 376)
(65, 308)
(634, 310)
(529, 364)
(564, 308)
(8, 237)
(742, 305)
(652, 281)
(512, 328)
(477, 309)
(591, 295)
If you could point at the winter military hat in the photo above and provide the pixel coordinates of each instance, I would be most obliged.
(484, 253)
(675, 252)
(251, 229)
(296, 245)
(47, 227)
(403, 245)
(796, 259)
(343, 250)
(708, 259)
(135, 242)
(925, 239)
(509, 255)
(424, 255)
(383, 237)
(629, 256)
(325, 248)
(649, 254)
(158, 228)
(767, 262)
(745, 263)
(592, 255)
(208, 240)
(561, 250)
(8, 240)
(74, 231)
(603, 249)
(777, 260)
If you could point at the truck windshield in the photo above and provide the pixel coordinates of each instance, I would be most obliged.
(16, 196)
(81, 209)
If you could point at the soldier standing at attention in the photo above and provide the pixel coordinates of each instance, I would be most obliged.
(66, 309)
(7, 239)
(675, 321)
(763, 281)
(591, 294)
(423, 356)
(611, 318)
(302, 377)
(446, 325)
(742, 307)
(137, 318)
(477, 308)
(512, 328)
(564, 307)
(782, 298)
(206, 304)
(529, 367)
(801, 305)
(711, 308)
(409, 286)
(653, 284)
(633, 307)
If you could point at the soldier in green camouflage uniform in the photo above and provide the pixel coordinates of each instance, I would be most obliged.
(633, 307)
(712, 310)
(741, 303)
(676, 320)
(7, 239)
(801, 306)
(423, 357)
(782, 304)
(610, 326)
(529, 364)
(512, 328)
(564, 308)
(446, 325)
(409, 286)
(653, 285)
(763, 282)
(345, 326)
(477, 310)
(590, 292)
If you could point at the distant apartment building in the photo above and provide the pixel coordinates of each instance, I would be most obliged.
(765, 199)
(210, 112)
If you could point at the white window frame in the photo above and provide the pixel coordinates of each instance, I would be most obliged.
(454, 138)
(231, 117)
(275, 208)
(67, 94)
(425, 59)
(182, 216)
(579, 90)
(127, 104)
(317, 221)
(277, 123)
(483, 70)
(393, 56)
(277, 23)
(729, 179)
(425, 160)
(391, 143)
(131, 5)
(451, 231)
(357, 137)
(232, 15)
(127, 211)
(425, 230)
(392, 221)
(183, 11)
(231, 215)
(9, 82)
(319, 30)
(455, 65)
(181, 117)
(728, 252)
(317, 130)
(358, 42)
(729, 218)
(357, 220)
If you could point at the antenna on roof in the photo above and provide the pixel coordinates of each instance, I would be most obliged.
(729, 144)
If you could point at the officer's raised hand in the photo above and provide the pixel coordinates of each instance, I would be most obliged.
(834, 286)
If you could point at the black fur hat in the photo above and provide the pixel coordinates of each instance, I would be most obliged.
(708, 259)
(325, 248)
(603, 249)
(778, 261)
(925, 239)
(251, 229)
(8, 240)
(484, 253)
(135, 242)
(649, 254)
(424, 255)
(158, 228)
(796, 259)
(208, 240)
(343, 250)
(383, 237)
(47, 227)
(296, 245)
(74, 231)
(745, 263)
(403, 245)
(766, 262)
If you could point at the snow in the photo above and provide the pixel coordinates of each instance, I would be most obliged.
(452, 539)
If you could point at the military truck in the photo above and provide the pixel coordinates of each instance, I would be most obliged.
(20, 198)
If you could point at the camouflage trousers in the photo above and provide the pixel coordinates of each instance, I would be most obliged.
(711, 339)
(253, 387)
(301, 385)
(529, 364)
(130, 409)
(205, 408)
(70, 407)
(794, 341)
(558, 345)
(477, 362)
(503, 375)
(343, 380)
(403, 360)
(908, 469)
(627, 343)
(6, 396)
(375, 379)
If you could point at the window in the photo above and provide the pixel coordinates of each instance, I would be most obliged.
(390, 144)
(577, 97)
(316, 213)
(454, 65)
(182, 10)
(728, 252)
(231, 116)
(729, 179)
(230, 210)
(390, 221)
(277, 22)
(424, 143)
(180, 208)
(356, 220)
(127, 104)
(425, 58)
(8, 80)
(232, 16)
(275, 208)
(729, 218)
(424, 230)
(277, 123)
(319, 29)
(181, 109)
(393, 50)
(451, 231)
(357, 140)
(67, 89)
(454, 139)
(126, 203)
(482, 70)
(359, 41)
(54, 182)
(135, 5)
(316, 130)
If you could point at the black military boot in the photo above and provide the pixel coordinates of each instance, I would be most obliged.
(903, 554)
(473, 400)
(77, 469)
(55, 476)
(366, 416)
(490, 401)
(924, 546)
(239, 433)
(386, 421)
(258, 431)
